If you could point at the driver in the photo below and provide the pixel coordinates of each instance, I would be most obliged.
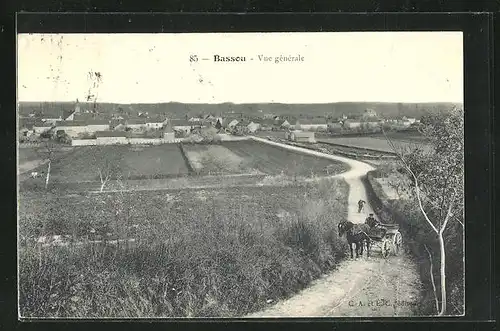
(371, 221)
(374, 225)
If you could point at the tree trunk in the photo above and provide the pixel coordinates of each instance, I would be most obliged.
(48, 176)
(431, 272)
(443, 275)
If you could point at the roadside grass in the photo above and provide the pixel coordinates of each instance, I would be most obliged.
(229, 256)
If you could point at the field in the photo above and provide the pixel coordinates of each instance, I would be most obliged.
(373, 143)
(275, 160)
(197, 230)
(83, 164)
(222, 252)
(133, 162)
(215, 159)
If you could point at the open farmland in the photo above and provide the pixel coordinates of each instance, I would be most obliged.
(275, 160)
(216, 159)
(133, 162)
(197, 253)
(372, 143)
(80, 168)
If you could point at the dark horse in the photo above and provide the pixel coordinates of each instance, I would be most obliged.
(355, 234)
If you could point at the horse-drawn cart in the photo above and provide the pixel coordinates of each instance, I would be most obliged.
(390, 239)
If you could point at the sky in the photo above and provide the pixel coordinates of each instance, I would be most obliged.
(153, 68)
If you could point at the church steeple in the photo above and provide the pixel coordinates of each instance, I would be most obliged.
(77, 106)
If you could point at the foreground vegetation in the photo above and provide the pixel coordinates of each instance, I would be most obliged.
(420, 241)
(431, 206)
(195, 253)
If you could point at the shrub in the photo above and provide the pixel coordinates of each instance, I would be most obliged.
(222, 258)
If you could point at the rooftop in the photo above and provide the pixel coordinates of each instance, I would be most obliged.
(132, 121)
(42, 124)
(316, 120)
(71, 123)
(97, 122)
(177, 122)
(303, 134)
(102, 134)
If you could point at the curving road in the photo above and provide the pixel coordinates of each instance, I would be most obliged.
(363, 287)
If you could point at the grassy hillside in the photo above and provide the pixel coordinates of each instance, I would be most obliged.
(181, 109)
(195, 254)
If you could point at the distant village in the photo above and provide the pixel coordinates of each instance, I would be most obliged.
(80, 126)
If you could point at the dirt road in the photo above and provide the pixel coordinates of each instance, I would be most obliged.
(364, 287)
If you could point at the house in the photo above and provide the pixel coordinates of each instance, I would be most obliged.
(98, 125)
(335, 126)
(342, 118)
(181, 125)
(409, 120)
(73, 128)
(241, 127)
(302, 137)
(195, 119)
(218, 124)
(41, 127)
(70, 116)
(369, 113)
(265, 124)
(252, 127)
(317, 123)
(283, 124)
(136, 124)
(231, 123)
(117, 125)
(404, 122)
(156, 123)
(111, 137)
(351, 124)
(294, 124)
(25, 131)
(51, 120)
(372, 124)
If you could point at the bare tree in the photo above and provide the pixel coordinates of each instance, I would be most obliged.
(47, 152)
(437, 178)
(105, 165)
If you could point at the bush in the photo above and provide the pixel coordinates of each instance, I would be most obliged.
(221, 258)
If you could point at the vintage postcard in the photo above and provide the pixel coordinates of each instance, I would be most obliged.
(240, 175)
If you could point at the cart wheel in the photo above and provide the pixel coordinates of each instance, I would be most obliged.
(385, 248)
(398, 242)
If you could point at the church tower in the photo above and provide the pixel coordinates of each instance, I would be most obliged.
(77, 106)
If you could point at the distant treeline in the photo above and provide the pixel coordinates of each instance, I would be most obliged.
(415, 110)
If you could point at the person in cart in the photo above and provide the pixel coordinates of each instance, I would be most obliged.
(376, 228)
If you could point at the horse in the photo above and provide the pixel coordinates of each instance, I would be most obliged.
(355, 234)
